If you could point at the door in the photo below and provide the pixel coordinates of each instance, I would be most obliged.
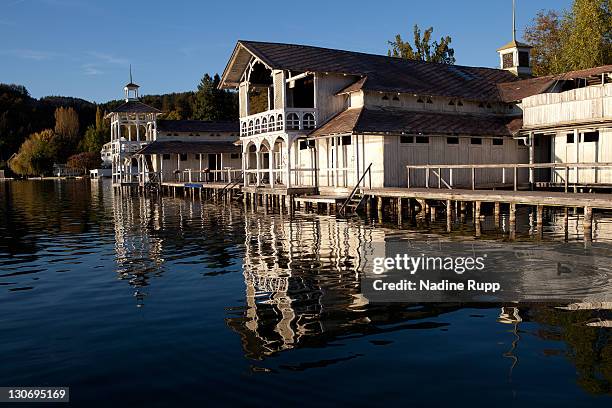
(588, 154)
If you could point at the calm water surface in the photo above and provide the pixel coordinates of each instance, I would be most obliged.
(172, 302)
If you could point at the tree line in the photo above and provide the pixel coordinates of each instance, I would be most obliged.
(36, 133)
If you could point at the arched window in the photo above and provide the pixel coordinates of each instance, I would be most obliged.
(279, 122)
(257, 126)
(264, 125)
(271, 124)
(293, 121)
(250, 131)
(309, 121)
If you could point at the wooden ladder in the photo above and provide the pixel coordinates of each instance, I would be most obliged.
(356, 198)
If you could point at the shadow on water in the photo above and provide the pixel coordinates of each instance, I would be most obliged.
(237, 292)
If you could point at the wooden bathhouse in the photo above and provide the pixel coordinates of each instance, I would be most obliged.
(316, 119)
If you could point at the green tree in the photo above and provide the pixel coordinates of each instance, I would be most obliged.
(208, 99)
(66, 131)
(36, 155)
(423, 49)
(589, 42)
(96, 136)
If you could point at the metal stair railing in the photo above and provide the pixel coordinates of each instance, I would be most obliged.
(357, 187)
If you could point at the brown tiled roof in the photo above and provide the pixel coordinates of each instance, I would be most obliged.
(384, 74)
(177, 147)
(203, 126)
(517, 90)
(398, 121)
(135, 107)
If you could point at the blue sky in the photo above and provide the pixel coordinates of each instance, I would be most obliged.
(83, 48)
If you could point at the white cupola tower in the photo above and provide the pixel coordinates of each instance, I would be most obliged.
(515, 56)
(131, 89)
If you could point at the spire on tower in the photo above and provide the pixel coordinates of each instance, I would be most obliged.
(513, 21)
(131, 74)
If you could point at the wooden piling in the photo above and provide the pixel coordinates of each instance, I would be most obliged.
(512, 221)
(540, 221)
(477, 218)
(449, 216)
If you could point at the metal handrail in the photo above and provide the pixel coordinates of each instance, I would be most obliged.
(345, 203)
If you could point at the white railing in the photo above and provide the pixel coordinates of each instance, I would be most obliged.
(299, 176)
(207, 176)
(508, 174)
(278, 120)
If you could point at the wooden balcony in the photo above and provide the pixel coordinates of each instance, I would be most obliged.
(279, 120)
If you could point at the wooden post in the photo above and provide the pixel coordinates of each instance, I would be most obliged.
(512, 221)
(473, 178)
(379, 206)
(399, 211)
(462, 210)
(433, 212)
(477, 218)
(539, 221)
(566, 223)
(515, 175)
(496, 214)
(449, 216)
(587, 224)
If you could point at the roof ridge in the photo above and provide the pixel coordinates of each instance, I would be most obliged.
(416, 62)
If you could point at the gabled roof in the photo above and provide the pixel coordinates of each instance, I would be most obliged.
(188, 126)
(135, 107)
(399, 121)
(384, 74)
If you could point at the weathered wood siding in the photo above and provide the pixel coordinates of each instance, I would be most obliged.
(326, 102)
(398, 155)
(588, 152)
(577, 105)
(243, 99)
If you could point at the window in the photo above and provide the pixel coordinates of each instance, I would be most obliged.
(508, 60)
(406, 139)
(264, 125)
(452, 140)
(523, 59)
(309, 121)
(250, 130)
(346, 140)
(422, 139)
(166, 157)
(570, 138)
(293, 121)
(272, 125)
(591, 137)
(279, 122)
(498, 142)
(235, 156)
(476, 141)
(183, 156)
(257, 126)
(311, 144)
(303, 145)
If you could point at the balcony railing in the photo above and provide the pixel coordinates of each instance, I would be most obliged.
(279, 120)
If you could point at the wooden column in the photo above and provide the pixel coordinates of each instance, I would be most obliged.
(449, 216)
(477, 218)
(587, 224)
(540, 221)
(496, 214)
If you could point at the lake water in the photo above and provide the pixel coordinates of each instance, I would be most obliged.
(173, 302)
